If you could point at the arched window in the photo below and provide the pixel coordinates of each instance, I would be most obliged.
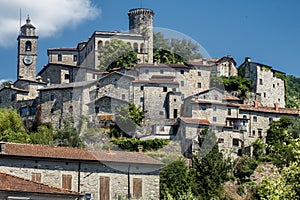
(28, 46)
(136, 47)
(106, 42)
(100, 44)
(143, 50)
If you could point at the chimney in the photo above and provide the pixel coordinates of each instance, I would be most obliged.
(276, 106)
(255, 104)
(2, 148)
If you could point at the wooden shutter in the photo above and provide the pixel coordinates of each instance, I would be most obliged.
(104, 188)
(67, 181)
(36, 177)
(137, 187)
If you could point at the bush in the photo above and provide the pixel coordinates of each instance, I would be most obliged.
(132, 144)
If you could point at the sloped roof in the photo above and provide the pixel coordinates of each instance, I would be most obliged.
(16, 184)
(68, 85)
(288, 111)
(189, 120)
(54, 152)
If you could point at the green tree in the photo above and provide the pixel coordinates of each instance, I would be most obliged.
(117, 54)
(128, 117)
(4, 83)
(176, 179)
(173, 50)
(68, 136)
(292, 92)
(11, 127)
(43, 135)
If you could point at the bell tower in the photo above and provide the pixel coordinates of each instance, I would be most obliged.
(27, 51)
(141, 22)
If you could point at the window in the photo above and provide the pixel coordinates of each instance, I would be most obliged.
(137, 187)
(161, 112)
(214, 119)
(220, 140)
(142, 88)
(66, 181)
(75, 58)
(270, 119)
(181, 71)
(260, 81)
(265, 95)
(278, 99)
(97, 109)
(52, 97)
(146, 71)
(216, 97)
(123, 96)
(52, 110)
(203, 107)
(71, 95)
(142, 99)
(28, 46)
(13, 97)
(254, 118)
(36, 177)
(182, 83)
(253, 132)
(174, 100)
(260, 133)
(273, 85)
(161, 71)
(174, 89)
(136, 47)
(229, 111)
(214, 107)
(199, 85)
(235, 142)
(67, 76)
(165, 89)
(244, 117)
(59, 57)
(199, 73)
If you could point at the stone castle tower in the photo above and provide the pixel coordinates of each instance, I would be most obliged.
(27, 52)
(141, 22)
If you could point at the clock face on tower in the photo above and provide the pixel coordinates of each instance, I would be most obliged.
(27, 60)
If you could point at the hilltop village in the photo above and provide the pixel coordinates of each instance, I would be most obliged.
(178, 101)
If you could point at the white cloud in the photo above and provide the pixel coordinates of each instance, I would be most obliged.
(49, 16)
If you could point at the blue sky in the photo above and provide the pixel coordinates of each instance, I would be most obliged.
(267, 31)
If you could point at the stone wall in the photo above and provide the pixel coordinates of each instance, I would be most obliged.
(90, 172)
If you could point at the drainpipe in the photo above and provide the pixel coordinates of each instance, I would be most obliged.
(128, 177)
(78, 187)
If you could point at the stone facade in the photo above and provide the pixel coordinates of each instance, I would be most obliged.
(86, 175)
(267, 87)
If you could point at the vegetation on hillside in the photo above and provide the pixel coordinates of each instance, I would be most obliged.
(293, 92)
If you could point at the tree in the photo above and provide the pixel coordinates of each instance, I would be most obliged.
(4, 83)
(173, 50)
(117, 54)
(68, 136)
(11, 127)
(43, 135)
(128, 117)
(176, 179)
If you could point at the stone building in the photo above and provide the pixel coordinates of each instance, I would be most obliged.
(268, 85)
(236, 125)
(99, 175)
(13, 188)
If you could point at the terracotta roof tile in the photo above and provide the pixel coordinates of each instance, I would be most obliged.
(289, 111)
(43, 151)
(195, 121)
(13, 183)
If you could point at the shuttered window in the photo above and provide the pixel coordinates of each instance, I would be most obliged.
(137, 187)
(104, 188)
(36, 177)
(67, 181)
